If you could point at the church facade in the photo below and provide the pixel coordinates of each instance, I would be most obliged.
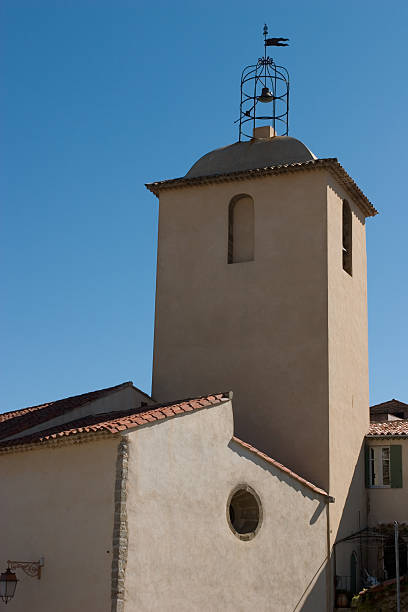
(157, 508)
(249, 492)
(221, 502)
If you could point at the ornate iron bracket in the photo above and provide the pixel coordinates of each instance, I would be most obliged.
(31, 568)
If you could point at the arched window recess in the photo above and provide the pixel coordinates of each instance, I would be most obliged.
(347, 238)
(241, 229)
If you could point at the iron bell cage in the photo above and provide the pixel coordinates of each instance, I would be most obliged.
(265, 84)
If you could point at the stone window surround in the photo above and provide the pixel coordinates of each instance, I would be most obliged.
(244, 536)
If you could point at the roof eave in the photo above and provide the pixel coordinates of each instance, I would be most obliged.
(284, 468)
(111, 427)
(331, 164)
(58, 441)
(386, 436)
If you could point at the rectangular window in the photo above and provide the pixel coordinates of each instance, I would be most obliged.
(383, 466)
(379, 464)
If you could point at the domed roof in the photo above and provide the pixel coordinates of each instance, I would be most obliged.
(257, 153)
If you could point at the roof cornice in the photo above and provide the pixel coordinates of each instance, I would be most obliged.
(78, 438)
(331, 164)
(390, 436)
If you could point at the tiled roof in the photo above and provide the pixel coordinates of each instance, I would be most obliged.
(20, 420)
(125, 420)
(283, 468)
(114, 422)
(389, 429)
(390, 405)
(331, 164)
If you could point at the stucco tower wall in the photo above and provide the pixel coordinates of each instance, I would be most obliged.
(348, 367)
(258, 328)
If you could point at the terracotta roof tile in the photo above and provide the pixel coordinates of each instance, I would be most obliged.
(115, 422)
(389, 429)
(177, 410)
(188, 407)
(168, 412)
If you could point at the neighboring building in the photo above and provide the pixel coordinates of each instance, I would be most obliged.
(387, 487)
(388, 411)
(386, 463)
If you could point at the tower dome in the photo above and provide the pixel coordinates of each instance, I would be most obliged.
(252, 154)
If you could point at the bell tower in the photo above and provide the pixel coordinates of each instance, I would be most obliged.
(261, 289)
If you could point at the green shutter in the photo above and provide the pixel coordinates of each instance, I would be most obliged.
(396, 466)
(367, 466)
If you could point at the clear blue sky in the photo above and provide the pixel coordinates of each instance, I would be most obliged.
(100, 97)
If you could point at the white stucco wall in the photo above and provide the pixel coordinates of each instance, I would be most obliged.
(182, 554)
(58, 503)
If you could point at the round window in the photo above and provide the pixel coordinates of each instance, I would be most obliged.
(244, 512)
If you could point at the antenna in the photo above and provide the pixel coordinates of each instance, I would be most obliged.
(265, 82)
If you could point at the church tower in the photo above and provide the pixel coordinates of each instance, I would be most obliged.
(261, 289)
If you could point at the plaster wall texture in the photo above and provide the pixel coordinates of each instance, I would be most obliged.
(348, 371)
(58, 503)
(387, 505)
(259, 327)
(122, 399)
(182, 553)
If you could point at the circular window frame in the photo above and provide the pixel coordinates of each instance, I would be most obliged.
(245, 537)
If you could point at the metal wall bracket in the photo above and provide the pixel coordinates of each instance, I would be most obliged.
(31, 568)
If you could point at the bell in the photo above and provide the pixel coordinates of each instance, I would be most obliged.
(266, 95)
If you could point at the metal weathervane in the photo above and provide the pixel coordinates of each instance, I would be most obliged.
(265, 83)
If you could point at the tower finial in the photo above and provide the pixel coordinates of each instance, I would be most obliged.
(273, 80)
(274, 42)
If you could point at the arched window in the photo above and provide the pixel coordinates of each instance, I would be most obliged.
(241, 229)
(347, 238)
